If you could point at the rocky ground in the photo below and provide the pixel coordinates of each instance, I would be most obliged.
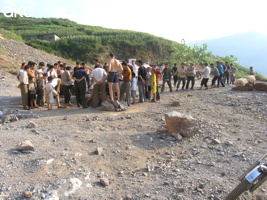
(130, 152)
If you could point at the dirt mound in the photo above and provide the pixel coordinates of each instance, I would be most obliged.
(14, 53)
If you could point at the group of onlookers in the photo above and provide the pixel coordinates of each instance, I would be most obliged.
(115, 80)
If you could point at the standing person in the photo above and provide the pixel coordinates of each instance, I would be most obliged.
(49, 93)
(153, 84)
(191, 73)
(133, 87)
(88, 71)
(206, 76)
(175, 75)
(166, 76)
(114, 67)
(232, 74)
(66, 85)
(32, 91)
(40, 89)
(24, 81)
(141, 81)
(226, 73)
(80, 87)
(99, 75)
(148, 83)
(20, 70)
(221, 71)
(32, 66)
(216, 75)
(126, 86)
(40, 69)
(135, 68)
(158, 75)
(181, 76)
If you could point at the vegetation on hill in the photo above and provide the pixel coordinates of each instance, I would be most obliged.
(84, 43)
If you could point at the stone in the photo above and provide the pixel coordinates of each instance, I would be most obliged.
(150, 167)
(177, 136)
(99, 151)
(32, 125)
(74, 184)
(24, 146)
(123, 106)
(260, 86)
(104, 182)
(175, 103)
(246, 87)
(216, 141)
(180, 123)
(65, 117)
(27, 194)
(107, 106)
(241, 82)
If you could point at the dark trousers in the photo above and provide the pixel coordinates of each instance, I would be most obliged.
(179, 81)
(66, 92)
(157, 93)
(204, 82)
(215, 78)
(126, 89)
(220, 81)
(175, 78)
(169, 84)
(227, 77)
(192, 80)
(99, 94)
(80, 90)
(40, 97)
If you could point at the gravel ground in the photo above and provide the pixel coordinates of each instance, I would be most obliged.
(131, 151)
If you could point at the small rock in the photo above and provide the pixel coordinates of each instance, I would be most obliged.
(32, 125)
(65, 117)
(177, 136)
(104, 182)
(27, 194)
(26, 145)
(150, 167)
(216, 141)
(175, 103)
(99, 151)
(181, 189)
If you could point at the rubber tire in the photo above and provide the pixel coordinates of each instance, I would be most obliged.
(238, 190)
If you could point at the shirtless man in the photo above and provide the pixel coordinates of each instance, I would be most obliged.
(114, 66)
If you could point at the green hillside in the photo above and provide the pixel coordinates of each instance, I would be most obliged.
(84, 43)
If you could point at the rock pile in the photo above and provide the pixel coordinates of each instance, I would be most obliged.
(7, 116)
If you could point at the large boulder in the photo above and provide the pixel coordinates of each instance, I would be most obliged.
(260, 86)
(184, 124)
(246, 87)
(251, 79)
(241, 82)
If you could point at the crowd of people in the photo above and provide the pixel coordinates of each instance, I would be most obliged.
(43, 84)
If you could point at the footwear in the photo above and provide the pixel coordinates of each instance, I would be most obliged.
(70, 104)
(85, 107)
(59, 107)
(66, 107)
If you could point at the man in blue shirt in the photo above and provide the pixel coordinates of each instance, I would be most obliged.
(221, 71)
(80, 86)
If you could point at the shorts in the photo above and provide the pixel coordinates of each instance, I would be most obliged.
(133, 94)
(113, 77)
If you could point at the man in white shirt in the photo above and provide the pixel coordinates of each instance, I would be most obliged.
(24, 81)
(99, 75)
(135, 68)
(206, 76)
